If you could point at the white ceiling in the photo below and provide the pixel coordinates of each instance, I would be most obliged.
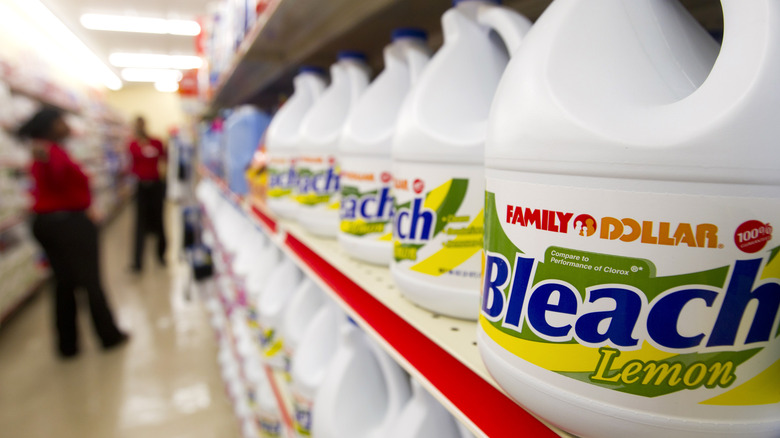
(104, 43)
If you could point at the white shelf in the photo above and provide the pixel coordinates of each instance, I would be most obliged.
(438, 351)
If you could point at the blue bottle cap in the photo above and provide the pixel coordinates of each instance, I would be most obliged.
(409, 32)
(311, 69)
(352, 54)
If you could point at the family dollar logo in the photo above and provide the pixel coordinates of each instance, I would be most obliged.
(627, 230)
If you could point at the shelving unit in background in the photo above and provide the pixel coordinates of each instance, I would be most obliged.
(99, 135)
(438, 351)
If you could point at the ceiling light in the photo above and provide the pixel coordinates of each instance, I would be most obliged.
(124, 23)
(150, 75)
(149, 60)
(63, 45)
(166, 86)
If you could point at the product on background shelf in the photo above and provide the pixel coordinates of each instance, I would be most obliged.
(269, 416)
(632, 277)
(364, 150)
(304, 304)
(438, 159)
(283, 138)
(363, 393)
(257, 281)
(232, 227)
(311, 362)
(317, 167)
(250, 252)
(423, 417)
(282, 283)
(244, 129)
(211, 138)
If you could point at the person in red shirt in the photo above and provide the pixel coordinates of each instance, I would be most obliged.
(148, 155)
(63, 227)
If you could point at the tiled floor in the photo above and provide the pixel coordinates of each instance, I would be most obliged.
(164, 383)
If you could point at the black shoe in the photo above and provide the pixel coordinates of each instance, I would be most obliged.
(68, 353)
(162, 262)
(121, 339)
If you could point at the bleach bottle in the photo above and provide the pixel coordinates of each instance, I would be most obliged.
(317, 165)
(283, 138)
(423, 417)
(363, 393)
(366, 182)
(304, 304)
(438, 154)
(311, 362)
(271, 304)
(632, 275)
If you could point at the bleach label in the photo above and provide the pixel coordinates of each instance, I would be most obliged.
(438, 222)
(367, 201)
(649, 294)
(318, 181)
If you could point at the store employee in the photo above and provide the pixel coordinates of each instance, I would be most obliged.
(66, 232)
(148, 156)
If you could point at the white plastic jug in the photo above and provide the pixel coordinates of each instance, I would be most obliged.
(304, 304)
(423, 417)
(311, 362)
(317, 167)
(366, 180)
(263, 401)
(632, 282)
(283, 138)
(437, 160)
(249, 253)
(271, 305)
(363, 392)
(257, 280)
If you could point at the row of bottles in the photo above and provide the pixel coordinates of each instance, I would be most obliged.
(605, 180)
(341, 382)
(394, 167)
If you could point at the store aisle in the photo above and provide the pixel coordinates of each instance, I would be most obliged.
(164, 383)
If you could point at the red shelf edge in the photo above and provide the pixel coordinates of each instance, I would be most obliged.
(265, 219)
(492, 412)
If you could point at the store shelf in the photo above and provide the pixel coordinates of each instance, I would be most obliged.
(438, 351)
(294, 32)
(291, 33)
(276, 378)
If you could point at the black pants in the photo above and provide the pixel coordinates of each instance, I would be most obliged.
(149, 203)
(70, 241)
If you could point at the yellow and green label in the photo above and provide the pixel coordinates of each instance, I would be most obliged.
(282, 177)
(650, 295)
(438, 225)
(366, 199)
(317, 181)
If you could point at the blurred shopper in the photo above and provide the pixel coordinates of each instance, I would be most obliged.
(63, 226)
(148, 157)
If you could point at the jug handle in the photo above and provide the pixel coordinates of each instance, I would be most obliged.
(393, 375)
(510, 26)
(746, 65)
